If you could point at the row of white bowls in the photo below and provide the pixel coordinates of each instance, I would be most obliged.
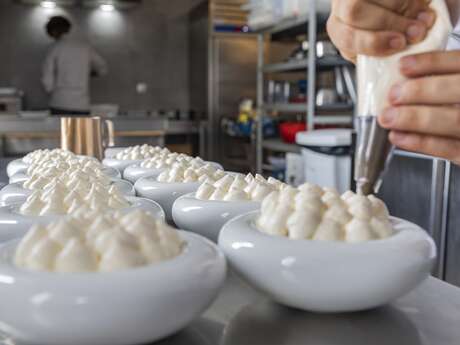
(128, 307)
(179, 202)
(317, 276)
(300, 274)
(16, 171)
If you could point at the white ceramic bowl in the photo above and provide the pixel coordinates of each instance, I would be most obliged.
(22, 176)
(19, 166)
(120, 164)
(14, 225)
(207, 217)
(329, 276)
(135, 172)
(111, 152)
(135, 306)
(16, 166)
(164, 193)
(16, 194)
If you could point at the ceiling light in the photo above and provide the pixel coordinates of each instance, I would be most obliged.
(107, 7)
(48, 4)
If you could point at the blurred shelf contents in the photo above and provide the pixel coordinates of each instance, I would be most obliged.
(301, 76)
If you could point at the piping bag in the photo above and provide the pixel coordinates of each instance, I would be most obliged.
(376, 76)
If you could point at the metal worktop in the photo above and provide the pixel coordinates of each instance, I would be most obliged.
(21, 135)
(10, 123)
(430, 315)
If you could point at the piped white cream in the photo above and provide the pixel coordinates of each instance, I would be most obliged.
(237, 187)
(106, 243)
(312, 213)
(140, 152)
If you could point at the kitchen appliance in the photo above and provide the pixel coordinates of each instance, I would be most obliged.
(10, 101)
(288, 130)
(325, 49)
(301, 52)
(327, 157)
(326, 96)
(86, 135)
(295, 174)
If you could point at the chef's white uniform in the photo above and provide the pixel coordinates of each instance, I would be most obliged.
(66, 74)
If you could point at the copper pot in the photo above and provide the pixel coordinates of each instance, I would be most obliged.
(87, 135)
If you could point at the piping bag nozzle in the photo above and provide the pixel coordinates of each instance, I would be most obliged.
(373, 155)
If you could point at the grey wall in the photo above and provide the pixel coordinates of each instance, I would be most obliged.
(147, 44)
(453, 233)
(407, 189)
(407, 192)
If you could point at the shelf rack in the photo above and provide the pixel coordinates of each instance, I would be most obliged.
(332, 114)
(280, 146)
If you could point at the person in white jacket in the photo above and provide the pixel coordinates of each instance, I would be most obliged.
(424, 115)
(67, 70)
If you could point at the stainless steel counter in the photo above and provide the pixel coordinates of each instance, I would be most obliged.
(430, 315)
(20, 135)
(17, 124)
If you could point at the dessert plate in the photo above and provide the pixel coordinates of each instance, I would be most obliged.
(163, 193)
(329, 276)
(19, 166)
(14, 225)
(111, 152)
(120, 164)
(22, 176)
(207, 217)
(16, 166)
(16, 194)
(135, 172)
(135, 306)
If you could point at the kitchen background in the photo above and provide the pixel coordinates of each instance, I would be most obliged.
(148, 44)
(198, 76)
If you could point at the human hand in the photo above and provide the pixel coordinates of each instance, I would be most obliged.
(424, 115)
(378, 27)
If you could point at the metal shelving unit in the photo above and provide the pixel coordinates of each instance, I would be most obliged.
(280, 146)
(302, 64)
(309, 66)
(290, 66)
(301, 107)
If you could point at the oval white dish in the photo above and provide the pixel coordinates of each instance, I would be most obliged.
(111, 152)
(119, 164)
(15, 225)
(329, 276)
(16, 166)
(207, 217)
(163, 193)
(19, 166)
(22, 176)
(16, 194)
(135, 172)
(134, 306)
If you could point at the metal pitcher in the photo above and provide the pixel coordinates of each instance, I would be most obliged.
(87, 136)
